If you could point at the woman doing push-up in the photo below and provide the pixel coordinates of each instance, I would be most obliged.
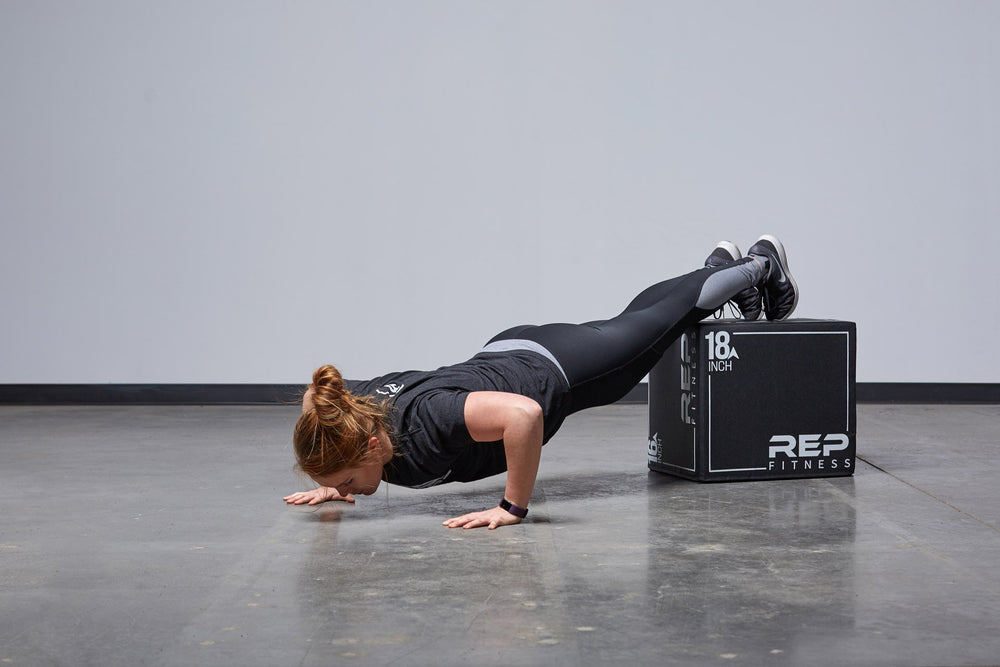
(494, 412)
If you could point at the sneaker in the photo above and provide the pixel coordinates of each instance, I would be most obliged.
(747, 302)
(780, 294)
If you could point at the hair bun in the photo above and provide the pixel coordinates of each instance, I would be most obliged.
(328, 378)
(331, 401)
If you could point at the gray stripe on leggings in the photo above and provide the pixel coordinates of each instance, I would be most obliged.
(512, 344)
(723, 285)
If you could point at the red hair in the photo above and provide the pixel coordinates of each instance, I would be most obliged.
(334, 433)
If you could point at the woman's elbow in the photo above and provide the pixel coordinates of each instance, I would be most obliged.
(529, 411)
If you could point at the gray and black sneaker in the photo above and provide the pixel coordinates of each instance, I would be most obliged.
(780, 294)
(747, 301)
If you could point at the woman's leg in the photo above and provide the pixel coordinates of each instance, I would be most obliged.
(604, 359)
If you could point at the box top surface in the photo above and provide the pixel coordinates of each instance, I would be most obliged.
(800, 324)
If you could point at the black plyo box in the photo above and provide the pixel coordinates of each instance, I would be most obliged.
(738, 400)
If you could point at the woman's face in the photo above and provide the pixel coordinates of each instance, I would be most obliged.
(363, 479)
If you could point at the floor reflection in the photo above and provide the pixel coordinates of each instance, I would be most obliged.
(701, 567)
(389, 583)
(753, 561)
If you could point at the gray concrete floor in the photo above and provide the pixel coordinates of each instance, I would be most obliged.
(157, 536)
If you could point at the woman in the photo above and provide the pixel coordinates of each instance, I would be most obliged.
(494, 412)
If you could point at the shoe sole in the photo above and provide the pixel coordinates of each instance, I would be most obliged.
(731, 248)
(783, 259)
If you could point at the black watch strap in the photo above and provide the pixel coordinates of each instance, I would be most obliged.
(519, 512)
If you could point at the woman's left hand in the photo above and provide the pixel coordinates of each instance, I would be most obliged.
(491, 518)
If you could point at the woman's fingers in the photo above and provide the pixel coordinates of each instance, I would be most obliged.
(316, 496)
(492, 518)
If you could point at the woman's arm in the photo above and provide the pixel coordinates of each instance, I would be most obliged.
(518, 421)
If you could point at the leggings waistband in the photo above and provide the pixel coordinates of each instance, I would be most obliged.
(511, 344)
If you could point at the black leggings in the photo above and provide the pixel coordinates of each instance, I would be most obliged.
(604, 359)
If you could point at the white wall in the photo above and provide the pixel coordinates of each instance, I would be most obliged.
(235, 191)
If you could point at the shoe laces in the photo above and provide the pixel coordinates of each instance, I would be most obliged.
(735, 313)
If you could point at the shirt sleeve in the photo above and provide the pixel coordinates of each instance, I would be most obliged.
(440, 415)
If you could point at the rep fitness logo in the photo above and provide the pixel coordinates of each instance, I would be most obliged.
(809, 452)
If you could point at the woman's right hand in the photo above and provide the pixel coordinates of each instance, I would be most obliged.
(317, 496)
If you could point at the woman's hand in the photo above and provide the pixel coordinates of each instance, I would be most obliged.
(317, 496)
(491, 518)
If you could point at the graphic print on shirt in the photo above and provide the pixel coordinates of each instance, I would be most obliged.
(390, 389)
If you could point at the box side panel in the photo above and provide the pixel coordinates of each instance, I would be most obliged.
(671, 445)
(778, 399)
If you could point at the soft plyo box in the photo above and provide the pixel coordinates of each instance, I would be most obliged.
(738, 400)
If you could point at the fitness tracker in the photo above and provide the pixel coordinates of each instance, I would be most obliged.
(519, 512)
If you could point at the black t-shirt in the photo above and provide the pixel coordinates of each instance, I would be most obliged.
(428, 414)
